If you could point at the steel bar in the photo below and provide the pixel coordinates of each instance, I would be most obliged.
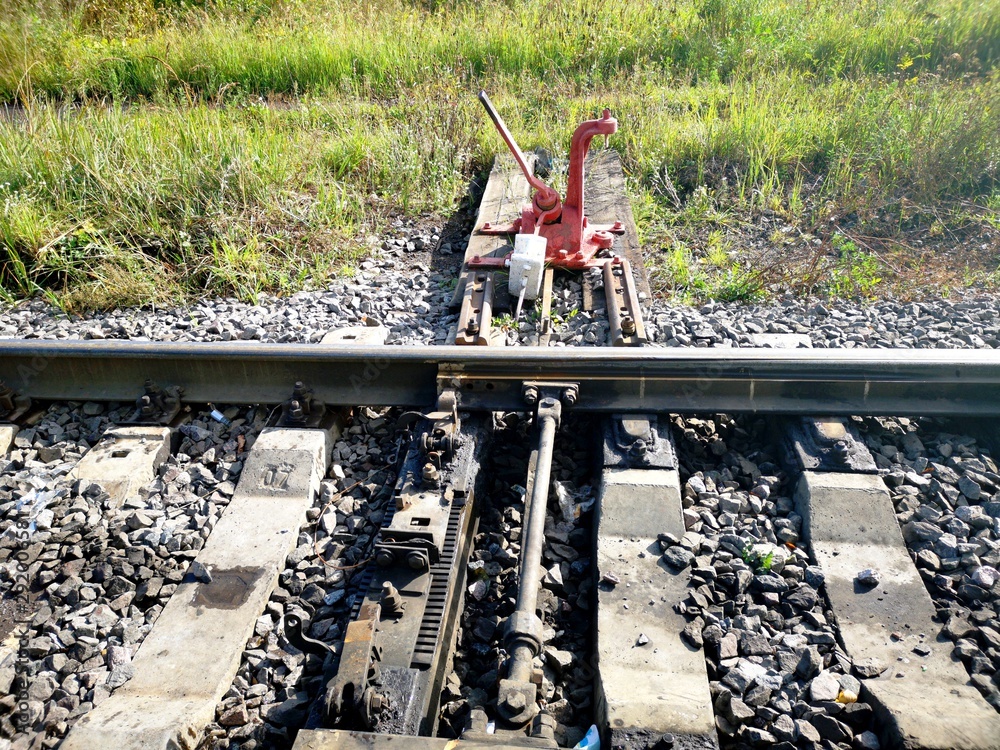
(624, 313)
(523, 638)
(873, 381)
(531, 546)
(531, 555)
(475, 318)
(550, 196)
(545, 319)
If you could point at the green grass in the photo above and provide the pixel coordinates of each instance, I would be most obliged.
(169, 149)
(857, 272)
(124, 48)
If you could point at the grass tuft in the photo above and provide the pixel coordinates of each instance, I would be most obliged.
(241, 146)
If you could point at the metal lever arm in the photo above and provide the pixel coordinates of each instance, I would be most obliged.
(547, 198)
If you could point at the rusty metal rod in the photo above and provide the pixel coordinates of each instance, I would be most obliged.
(549, 196)
(536, 507)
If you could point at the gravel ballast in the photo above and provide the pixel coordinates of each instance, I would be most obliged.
(100, 576)
(407, 288)
(946, 490)
(96, 577)
(756, 604)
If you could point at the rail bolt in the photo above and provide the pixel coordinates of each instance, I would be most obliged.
(544, 726)
(391, 600)
(841, 450)
(417, 560)
(430, 475)
(638, 449)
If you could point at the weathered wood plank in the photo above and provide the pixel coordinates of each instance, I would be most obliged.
(505, 193)
(606, 201)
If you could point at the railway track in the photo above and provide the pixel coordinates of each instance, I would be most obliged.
(678, 499)
(350, 546)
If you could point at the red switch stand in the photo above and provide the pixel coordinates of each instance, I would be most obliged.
(571, 241)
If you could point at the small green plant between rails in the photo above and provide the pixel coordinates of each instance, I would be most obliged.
(156, 151)
(755, 561)
(505, 322)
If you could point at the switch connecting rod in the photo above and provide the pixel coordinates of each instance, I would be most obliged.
(523, 637)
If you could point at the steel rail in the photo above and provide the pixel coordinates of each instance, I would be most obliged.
(811, 381)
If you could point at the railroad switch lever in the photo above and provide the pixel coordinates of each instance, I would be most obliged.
(552, 230)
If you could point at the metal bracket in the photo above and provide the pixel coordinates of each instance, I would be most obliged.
(441, 439)
(301, 409)
(156, 406)
(624, 314)
(418, 554)
(294, 634)
(635, 442)
(545, 320)
(477, 733)
(825, 444)
(443, 434)
(424, 495)
(12, 404)
(534, 391)
(477, 310)
(351, 694)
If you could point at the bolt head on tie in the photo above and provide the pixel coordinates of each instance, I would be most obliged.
(416, 561)
(531, 395)
(392, 603)
(638, 448)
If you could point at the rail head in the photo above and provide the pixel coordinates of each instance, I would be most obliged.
(950, 382)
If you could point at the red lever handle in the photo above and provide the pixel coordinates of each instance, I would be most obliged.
(547, 197)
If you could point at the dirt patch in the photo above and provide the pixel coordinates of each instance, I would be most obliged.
(900, 250)
(13, 612)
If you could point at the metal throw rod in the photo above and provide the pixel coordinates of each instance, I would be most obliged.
(517, 695)
(822, 381)
(531, 559)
